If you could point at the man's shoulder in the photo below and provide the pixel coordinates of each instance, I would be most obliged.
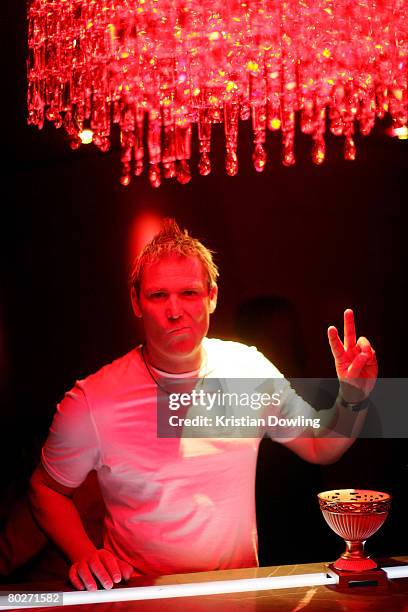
(236, 358)
(104, 388)
(113, 373)
(217, 345)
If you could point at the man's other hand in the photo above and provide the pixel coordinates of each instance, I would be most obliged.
(355, 361)
(100, 564)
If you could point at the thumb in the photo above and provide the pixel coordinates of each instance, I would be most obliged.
(357, 365)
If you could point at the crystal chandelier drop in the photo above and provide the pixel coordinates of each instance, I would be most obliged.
(156, 67)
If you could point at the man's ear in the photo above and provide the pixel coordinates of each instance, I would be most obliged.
(135, 303)
(213, 298)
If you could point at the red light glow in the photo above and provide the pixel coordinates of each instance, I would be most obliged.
(144, 227)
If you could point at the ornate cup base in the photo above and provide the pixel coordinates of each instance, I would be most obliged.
(354, 558)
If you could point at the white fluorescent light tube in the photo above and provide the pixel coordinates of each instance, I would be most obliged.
(398, 571)
(166, 591)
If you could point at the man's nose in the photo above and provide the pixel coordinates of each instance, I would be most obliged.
(173, 308)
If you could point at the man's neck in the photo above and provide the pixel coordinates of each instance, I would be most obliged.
(175, 364)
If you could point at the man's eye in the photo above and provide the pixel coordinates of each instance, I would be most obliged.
(190, 292)
(157, 295)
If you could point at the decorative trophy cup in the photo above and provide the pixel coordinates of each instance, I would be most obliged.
(355, 515)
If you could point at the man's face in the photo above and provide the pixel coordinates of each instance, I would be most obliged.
(175, 304)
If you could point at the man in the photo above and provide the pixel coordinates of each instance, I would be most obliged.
(172, 505)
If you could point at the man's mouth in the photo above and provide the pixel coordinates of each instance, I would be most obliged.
(178, 330)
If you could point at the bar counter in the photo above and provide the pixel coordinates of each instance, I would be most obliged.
(310, 596)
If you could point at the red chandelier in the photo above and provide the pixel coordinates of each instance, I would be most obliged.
(156, 67)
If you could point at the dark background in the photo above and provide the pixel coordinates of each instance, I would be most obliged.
(324, 237)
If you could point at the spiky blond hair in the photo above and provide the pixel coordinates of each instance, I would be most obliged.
(171, 240)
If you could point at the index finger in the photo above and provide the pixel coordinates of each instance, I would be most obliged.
(336, 344)
(349, 329)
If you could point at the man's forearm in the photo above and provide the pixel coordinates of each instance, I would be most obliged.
(339, 427)
(58, 517)
(340, 431)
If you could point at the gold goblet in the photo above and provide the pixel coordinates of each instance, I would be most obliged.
(355, 515)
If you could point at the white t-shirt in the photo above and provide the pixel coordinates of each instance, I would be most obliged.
(173, 505)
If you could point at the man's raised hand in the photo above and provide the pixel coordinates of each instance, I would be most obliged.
(355, 361)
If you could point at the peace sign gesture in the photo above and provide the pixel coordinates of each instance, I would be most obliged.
(355, 361)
